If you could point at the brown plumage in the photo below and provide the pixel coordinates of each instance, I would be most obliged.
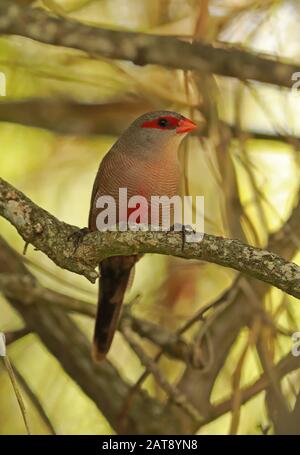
(143, 160)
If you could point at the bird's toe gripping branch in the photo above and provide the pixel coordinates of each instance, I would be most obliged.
(186, 231)
(78, 236)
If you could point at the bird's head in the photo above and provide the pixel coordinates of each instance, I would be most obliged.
(158, 130)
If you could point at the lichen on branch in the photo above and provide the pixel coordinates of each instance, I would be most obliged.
(54, 238)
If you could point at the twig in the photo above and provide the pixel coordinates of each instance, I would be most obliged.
(197, 317)
(35, 400)
(283, 367)
(173, 393)
(15, 335)
(17, 392)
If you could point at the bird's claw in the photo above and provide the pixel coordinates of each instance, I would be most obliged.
(77, 237)
(185, 230)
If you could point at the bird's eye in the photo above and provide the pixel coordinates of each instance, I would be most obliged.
(163, 122)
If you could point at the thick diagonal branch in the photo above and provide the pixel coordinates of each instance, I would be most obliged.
(52, 237)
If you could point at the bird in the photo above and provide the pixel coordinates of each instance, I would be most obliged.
(144, 160)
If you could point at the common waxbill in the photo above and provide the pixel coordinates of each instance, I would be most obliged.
(144, 161)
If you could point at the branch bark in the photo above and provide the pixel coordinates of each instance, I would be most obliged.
(51, 236)
(141, 48)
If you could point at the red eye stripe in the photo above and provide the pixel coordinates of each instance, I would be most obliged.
(172, 123)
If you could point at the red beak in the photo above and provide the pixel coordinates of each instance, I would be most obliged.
(185, 126)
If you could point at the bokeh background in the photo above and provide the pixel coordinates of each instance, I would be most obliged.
(245, 161)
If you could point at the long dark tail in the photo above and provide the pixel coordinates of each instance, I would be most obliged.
(115, 273)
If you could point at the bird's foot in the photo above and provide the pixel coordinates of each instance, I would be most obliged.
(186, 231)
(77, 237)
